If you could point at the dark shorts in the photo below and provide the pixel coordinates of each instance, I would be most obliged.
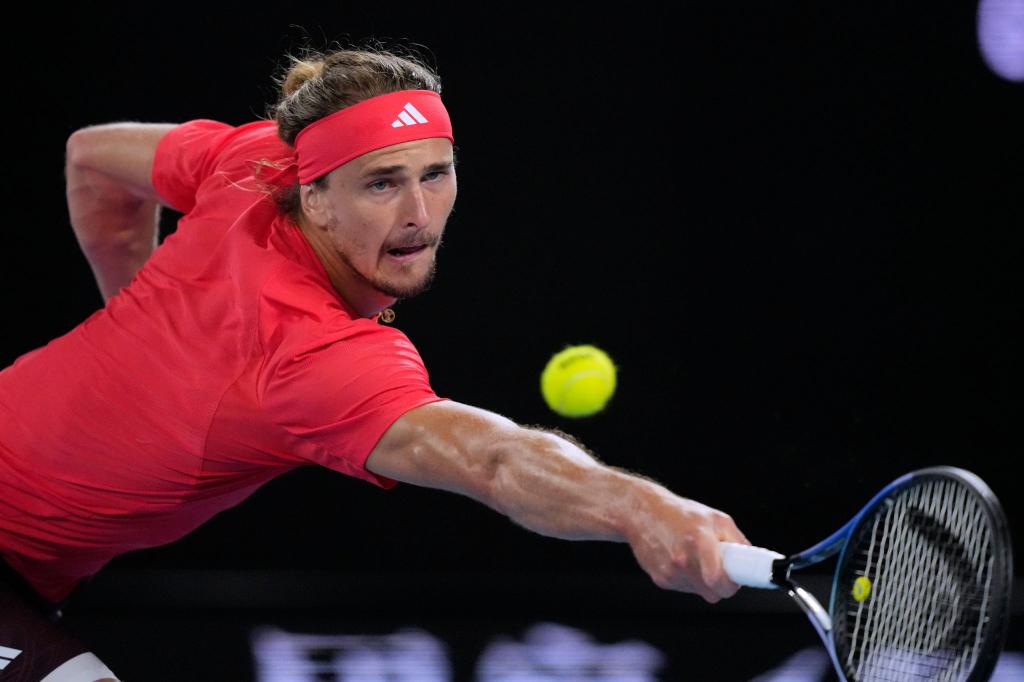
(32, 644)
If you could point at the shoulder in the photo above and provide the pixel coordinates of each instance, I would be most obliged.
(202, 150)
(208, 130)
(204, 140)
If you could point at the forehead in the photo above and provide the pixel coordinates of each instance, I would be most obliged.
(411, 156)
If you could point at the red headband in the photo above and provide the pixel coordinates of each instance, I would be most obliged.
(374, 123)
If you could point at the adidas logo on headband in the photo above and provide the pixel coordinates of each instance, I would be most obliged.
(406, 116)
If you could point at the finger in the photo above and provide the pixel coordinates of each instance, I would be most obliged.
(687, 572)
(702, 589)
(712, 569)
(710, 597)
(729, 531)
(693, 584)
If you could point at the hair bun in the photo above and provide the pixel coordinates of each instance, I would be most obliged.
(300, 72)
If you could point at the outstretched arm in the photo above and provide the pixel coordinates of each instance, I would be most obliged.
(113, 207)
(548, 484)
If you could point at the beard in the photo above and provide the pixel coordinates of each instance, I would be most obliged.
(394, 289)
(408, 291)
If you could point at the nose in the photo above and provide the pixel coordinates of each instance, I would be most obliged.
(414, 207)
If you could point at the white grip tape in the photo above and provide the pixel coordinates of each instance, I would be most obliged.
(748, 566)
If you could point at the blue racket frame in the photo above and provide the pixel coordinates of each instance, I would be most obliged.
(821, 619)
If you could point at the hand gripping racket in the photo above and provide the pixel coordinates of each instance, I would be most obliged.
(922, 585)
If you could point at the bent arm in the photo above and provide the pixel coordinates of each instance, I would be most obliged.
(113, 207)
(548, 484)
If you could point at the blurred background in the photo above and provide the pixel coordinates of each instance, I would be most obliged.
(795, 227)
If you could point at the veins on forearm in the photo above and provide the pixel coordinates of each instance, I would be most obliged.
(550, 484)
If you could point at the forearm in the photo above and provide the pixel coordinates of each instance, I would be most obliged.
(548, 484)
(553, 487)
(116, 230)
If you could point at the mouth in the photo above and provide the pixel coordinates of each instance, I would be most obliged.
(404, 253)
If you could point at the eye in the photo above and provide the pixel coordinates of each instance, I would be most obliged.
(380, 185)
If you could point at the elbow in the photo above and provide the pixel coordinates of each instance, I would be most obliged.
(89, 170)
(88, 147)
(118, 157)
(76, 147)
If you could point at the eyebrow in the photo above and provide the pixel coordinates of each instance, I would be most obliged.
(388, 170)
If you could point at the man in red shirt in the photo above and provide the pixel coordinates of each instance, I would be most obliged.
(249, 343)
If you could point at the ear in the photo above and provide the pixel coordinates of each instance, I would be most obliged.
(313, 201)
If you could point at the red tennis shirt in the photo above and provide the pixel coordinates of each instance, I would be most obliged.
(229, 360)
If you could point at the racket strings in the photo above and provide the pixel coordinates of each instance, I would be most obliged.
(927, 554)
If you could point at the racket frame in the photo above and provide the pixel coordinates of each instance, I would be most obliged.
(837, 544)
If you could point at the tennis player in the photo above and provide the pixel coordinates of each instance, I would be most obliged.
(252, 342)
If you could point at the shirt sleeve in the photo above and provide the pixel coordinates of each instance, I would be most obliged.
(184, 158)
(337, 388)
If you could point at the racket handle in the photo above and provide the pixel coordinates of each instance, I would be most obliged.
(748, 566)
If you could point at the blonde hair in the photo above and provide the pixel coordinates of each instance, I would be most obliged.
(317, 84)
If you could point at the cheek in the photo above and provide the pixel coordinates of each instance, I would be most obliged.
(353, 234)
(444, 204)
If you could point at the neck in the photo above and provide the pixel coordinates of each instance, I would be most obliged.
(349, 285)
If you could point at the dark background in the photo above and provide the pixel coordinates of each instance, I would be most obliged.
(796, 229)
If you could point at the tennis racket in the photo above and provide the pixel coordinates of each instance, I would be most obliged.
(922, 585)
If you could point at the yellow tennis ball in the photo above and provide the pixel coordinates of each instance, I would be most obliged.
(861, 588)
(578, 381)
